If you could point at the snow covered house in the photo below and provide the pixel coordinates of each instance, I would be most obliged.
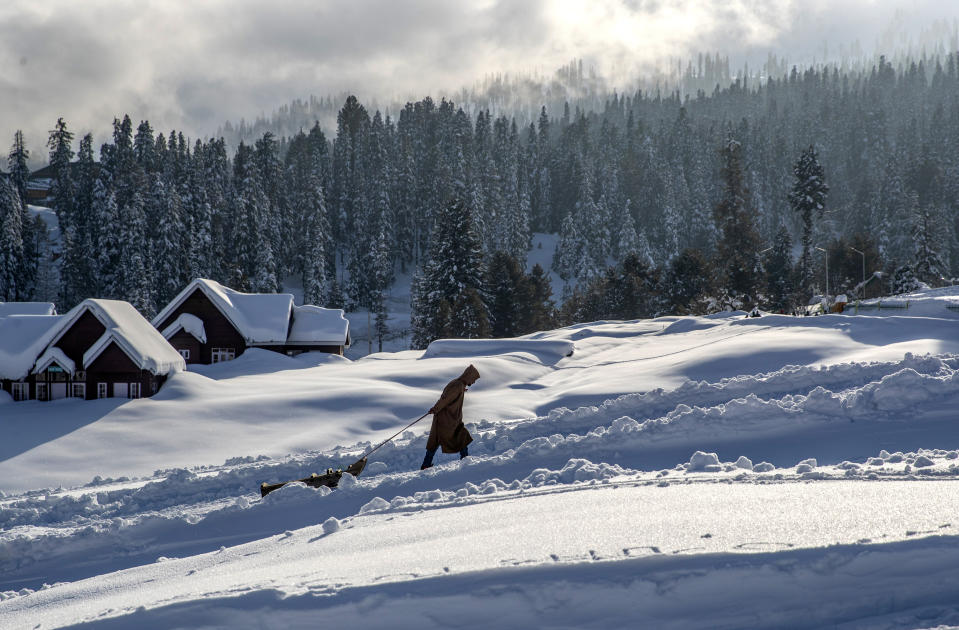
(100, 349)
(208, 323)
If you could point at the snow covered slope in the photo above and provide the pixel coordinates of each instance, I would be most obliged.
(680, 472)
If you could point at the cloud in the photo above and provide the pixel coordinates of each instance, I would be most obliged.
(192, 65)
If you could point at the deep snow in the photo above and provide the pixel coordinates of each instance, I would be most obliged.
(680, 472)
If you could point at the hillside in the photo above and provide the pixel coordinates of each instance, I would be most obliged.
(692, 472)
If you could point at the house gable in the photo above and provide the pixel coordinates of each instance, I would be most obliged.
(220, 332)
(54, 356)
(113, 360)
(83, 333)
(187, 345)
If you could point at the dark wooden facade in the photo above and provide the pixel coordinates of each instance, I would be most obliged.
(115, 371)
(77, 339)
(220, 332)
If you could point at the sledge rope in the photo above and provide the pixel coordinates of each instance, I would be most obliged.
(384, 442)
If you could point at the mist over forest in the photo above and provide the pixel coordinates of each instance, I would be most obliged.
(683, 194)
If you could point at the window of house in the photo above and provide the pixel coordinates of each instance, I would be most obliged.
(185, 353)
(21, 391)
(134, 390)
(222, 354)
(103, 390)
(43, 391)
(78, 390)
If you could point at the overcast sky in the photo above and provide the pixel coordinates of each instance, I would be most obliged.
(193, 64)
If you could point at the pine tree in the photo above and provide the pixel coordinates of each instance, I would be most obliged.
(348, 192)
(780, 285)
(218, 187)
(904, 280)
(737, 260)
(380, 326)
(200, 234)
(632, 290)
(315, 290)
(702, 229)
(371, 264)
(537, 310)
(167, 255)
(106, 253)
(448, 297)
(540, 204)
(628, 239)
(688, 283)
(808, 199)
(505, 288)
(381, 262)
(273, 219)
(404, 196)
(315, 231)
(17, 163)
(516, 192)
(584, 239)
(26, 271)
(252, 247)
(132, 277)
(144, 147)
(468, 316)
(11, 241)
(927, 231)
(567, 254)
(61, 153)
(672, 221)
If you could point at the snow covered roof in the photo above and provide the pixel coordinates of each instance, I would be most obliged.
(22, 339)
(54, 355)
(27, 308)
(260, 318)
(187, 323)
(132, 333)
(319, 326)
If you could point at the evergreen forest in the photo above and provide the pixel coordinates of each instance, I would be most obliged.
(661, 202)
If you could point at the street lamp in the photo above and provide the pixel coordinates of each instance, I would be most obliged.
(863, 289)
(827, 272)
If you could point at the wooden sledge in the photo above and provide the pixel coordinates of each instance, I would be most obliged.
(330, 479)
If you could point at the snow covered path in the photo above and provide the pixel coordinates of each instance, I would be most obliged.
(616, 520)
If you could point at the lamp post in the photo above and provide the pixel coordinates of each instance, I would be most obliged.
(863, 289)
(827, 272)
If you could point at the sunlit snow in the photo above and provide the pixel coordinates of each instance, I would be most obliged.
(695, 472)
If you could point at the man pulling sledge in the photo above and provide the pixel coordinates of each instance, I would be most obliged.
(448, 430)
